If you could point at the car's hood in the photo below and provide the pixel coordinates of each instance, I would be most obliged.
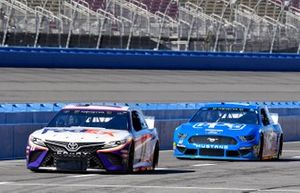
(80, 134)
(219, 129)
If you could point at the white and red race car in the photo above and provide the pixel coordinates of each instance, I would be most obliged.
(92, 137)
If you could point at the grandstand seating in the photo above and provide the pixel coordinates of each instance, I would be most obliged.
(52, 5)
(168, 24)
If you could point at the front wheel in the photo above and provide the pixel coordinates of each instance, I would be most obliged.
(155, 157)
(279, 152)
(261, 148)
(130, 159)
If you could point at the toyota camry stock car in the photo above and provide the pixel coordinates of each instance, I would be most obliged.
(233, 131)
(91, 138)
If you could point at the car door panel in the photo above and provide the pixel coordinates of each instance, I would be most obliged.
(143, 138)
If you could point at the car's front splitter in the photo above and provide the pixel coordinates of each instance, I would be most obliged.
(214, 157)
(114, 160)
(246, 152)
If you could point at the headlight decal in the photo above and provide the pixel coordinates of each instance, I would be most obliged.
(115, 145)
(247, 138)
(37, 141)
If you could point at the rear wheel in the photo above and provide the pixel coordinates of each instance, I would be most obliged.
(155, 156)
(261, 148)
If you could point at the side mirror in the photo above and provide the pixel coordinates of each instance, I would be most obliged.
(150, 121)
(274, 117)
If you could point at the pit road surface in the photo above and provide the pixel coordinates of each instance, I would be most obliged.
(171, 176)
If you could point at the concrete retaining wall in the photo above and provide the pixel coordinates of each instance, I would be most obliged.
(145, 59)
(15, 127)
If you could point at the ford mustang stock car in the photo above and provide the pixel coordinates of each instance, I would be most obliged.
(235, 131)
(94, 138)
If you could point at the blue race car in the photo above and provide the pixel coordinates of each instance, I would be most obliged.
(229, 131)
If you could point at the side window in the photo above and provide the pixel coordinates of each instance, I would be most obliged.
(264, 117)
(136, 121)
(143, 121)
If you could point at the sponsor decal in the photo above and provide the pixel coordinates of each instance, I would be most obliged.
(100, 132)
(91, 131)
(208, 126)
(80, 153)
(210, 139)
(237, 126)
(213, 131)
(212, 146)
(72, 146)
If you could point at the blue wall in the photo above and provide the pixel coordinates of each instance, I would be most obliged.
(17, 121)
(149, 59)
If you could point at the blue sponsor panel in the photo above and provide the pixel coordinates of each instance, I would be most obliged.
(290, 126)
(2, 118)
(165, 131)
(19, 117)
(21, 133)
(42, 117)
(7, 142)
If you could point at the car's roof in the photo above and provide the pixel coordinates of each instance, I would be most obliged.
(232, 105)
(96, 107)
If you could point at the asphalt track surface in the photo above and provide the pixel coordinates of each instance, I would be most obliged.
(171, 176)
(96, 85)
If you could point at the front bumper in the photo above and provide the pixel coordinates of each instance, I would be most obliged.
(42, 158)
(247, 151)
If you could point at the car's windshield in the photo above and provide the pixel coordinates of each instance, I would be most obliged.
(91, 118)
(226, 115)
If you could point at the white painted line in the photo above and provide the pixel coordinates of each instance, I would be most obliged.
(165, 151)
(147, 187)
(291, 142)
(203, 165)
(291, 151)
(2, 183)
(83, 176)
(280, 190)
(296, 157)
(126, 186)
(162, 168)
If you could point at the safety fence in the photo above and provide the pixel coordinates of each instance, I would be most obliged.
(17, 121)
(199, 25)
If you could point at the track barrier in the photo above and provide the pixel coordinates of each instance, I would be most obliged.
(17, 121)
(145, 59)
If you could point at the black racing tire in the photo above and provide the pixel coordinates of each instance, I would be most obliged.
(130, 159)
(261, 148)
(279, 153)
(182, 158)
(155, 156)
(35, 170)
